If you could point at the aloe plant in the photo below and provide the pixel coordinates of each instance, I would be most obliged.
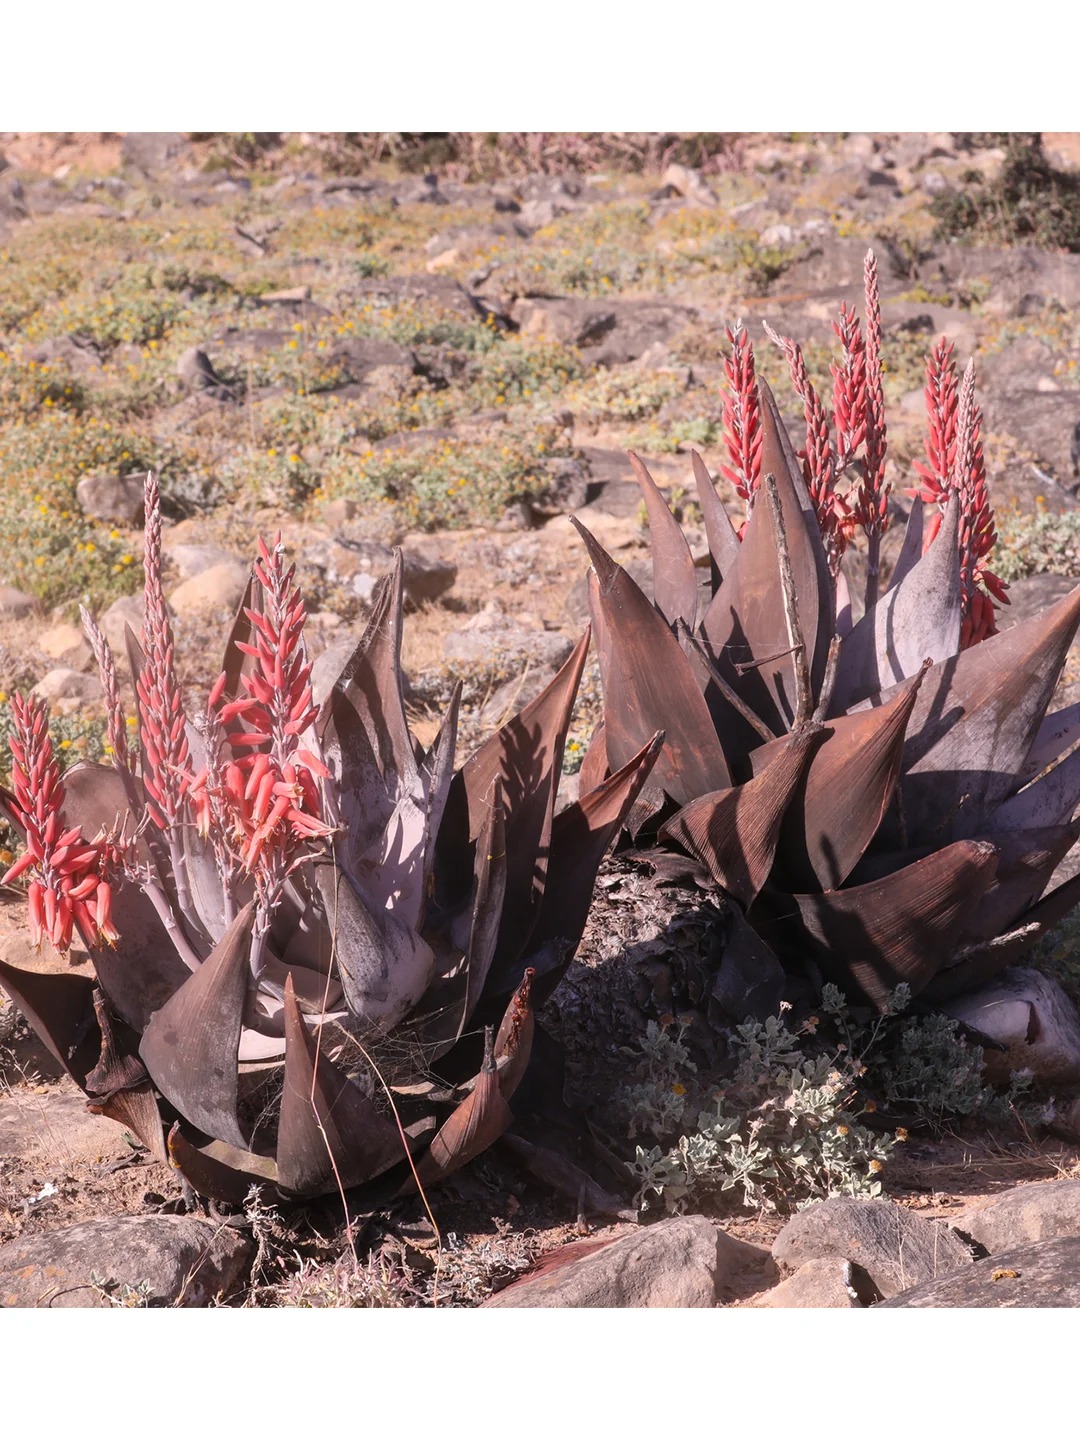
(882, 801)
(314, 947)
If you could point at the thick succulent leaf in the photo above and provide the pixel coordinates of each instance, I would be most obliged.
(734, 832)
(974, 722)
(219, 1171)
(513, 1041)
(911, 551)
(674, 578)
(649, 685)
(749, 983)
(366, 741)
(917, 620)
(723, 542)
(849, 784)
(190, 1045)
(1026, 861)
(475, 1125)
(904, 927)
(580, 837)
(451, 1001)
(59, 1004)
(1052, 799)
(746, 622)
(521, 763)
(384, 965)
(983, 962)
(330, 1133)
(204, 885)
(844, 618)
(1057, 733)
(594, 767)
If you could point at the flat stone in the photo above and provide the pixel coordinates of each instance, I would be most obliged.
(15, 604)
(66, 644)
(1029, 1013)
(512, 645)
(896, 1248)
(128, 610)
(179, 1259)
(116, 499)
(221, 587)
(62, 687)
(192, 560)
(359, 564)
(513, 696)
(681, 1263)
(1023, 1216)
(1042, 1276)
(823, 1284)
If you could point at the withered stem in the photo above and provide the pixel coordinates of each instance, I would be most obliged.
(685, 634)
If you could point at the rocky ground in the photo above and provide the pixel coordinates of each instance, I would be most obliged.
(360, 357)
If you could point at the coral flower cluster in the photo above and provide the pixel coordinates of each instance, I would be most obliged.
(68, 890)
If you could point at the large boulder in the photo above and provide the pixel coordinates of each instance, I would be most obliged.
(896, 1248)
(1023, 1216)
(158, 1260)
(1042, 1276)
(681, 1263)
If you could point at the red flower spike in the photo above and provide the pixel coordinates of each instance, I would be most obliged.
(68, 870)
(160, 700)
(819, 458)
(742, 416)
(849, 388)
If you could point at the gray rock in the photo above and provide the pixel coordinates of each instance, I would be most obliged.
(824, 1284)
(359, 564)
(896, 1248)
(512, 696)
(1031, 595)
(197, 372)
(1031, 1014)
(567, 488)
(1023, 1216)
(179, 1260)
(192, 560)
(67, 688)
(487, 634)
(16, 604)
(682, 1263)
(571, 321)
(689, 183)
(219, 588)
(1042, 1276)
(151, 151)
(128, 610)
(116, 499)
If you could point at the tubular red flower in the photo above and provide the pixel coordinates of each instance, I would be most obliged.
(742, 416)
(68, 870)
